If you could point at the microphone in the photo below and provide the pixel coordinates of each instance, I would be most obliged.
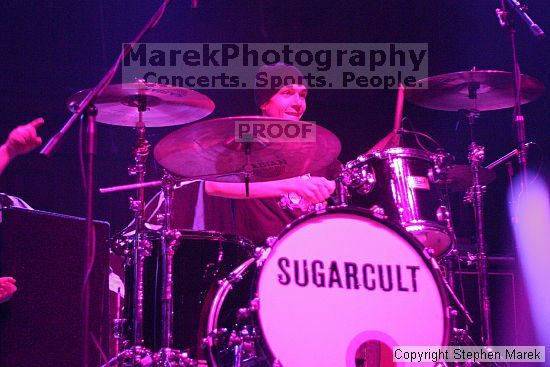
(521, 11)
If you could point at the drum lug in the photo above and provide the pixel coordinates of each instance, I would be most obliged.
(214, 337)
(173, 234)
(145, 247)
(429, 252)
(233, 278)
(270, 241)
(160, 217)
(378, 212)
(443, 215)
(119, 246)
(243, 341)
(135, 205)
(260, 254)
(255, 304)
(358, 175)
(245, 312)
(119, 328)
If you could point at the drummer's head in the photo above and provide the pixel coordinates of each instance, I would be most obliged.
(288, 99)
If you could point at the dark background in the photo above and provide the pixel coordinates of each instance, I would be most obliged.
(51, 49)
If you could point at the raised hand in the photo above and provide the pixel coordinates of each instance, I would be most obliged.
(24, 138)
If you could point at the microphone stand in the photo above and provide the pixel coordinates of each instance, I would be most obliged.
(88, 111)
(505, 21)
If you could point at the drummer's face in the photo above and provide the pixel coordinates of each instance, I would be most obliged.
(288, 103)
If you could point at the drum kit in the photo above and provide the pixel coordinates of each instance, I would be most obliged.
(340, 285)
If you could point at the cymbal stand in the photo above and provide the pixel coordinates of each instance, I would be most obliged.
(167, 356)
(441, 162)
(136, 354)
(141, 152)
(450, 260)
(476, 155)
(247, 168)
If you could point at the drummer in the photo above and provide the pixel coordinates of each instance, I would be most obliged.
(273, 204)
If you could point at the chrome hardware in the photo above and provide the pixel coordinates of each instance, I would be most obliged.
(378, 212)
(359, 175)
(135, 205)
(270, 241)
(443, 215)
(119, 328)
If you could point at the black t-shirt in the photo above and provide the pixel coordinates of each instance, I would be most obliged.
(258, 219)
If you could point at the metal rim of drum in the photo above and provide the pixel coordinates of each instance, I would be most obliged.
(396, 152)
(215, 236)
(399, 152)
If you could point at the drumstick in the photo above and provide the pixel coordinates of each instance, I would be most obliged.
(396, 121)
(399, 108)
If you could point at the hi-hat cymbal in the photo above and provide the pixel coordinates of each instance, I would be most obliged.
(211, 148)
(459, 177)
(481, 90)
(165, 105)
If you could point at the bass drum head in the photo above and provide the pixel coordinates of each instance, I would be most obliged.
(338, 282)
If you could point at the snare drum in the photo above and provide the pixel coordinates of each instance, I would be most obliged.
(399, 184)
(333, 285)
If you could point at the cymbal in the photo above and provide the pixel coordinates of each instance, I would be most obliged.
(458, 177)
(166, 105)
(451, 92)
(210, 148)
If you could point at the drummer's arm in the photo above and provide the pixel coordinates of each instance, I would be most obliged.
(314, 189)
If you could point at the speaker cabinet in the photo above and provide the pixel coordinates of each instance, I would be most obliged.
(42, 324)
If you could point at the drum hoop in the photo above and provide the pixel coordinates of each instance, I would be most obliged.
(417, 246)
(428, 224)
(399, 152)
(215, 236)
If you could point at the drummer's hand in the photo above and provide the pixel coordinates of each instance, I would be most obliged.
(313, 189)
(7, 288)
(24, 138)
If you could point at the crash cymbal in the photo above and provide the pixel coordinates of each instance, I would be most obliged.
(210, 147)
(456, 91)
(459, 177)
(165, 105)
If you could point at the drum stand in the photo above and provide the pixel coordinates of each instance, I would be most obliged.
(136, 355)
(476, 155)
(450, 261)
(168, 357)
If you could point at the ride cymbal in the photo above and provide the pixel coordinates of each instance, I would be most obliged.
(212, 148)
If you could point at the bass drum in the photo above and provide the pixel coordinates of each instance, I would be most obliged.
(337, 288)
